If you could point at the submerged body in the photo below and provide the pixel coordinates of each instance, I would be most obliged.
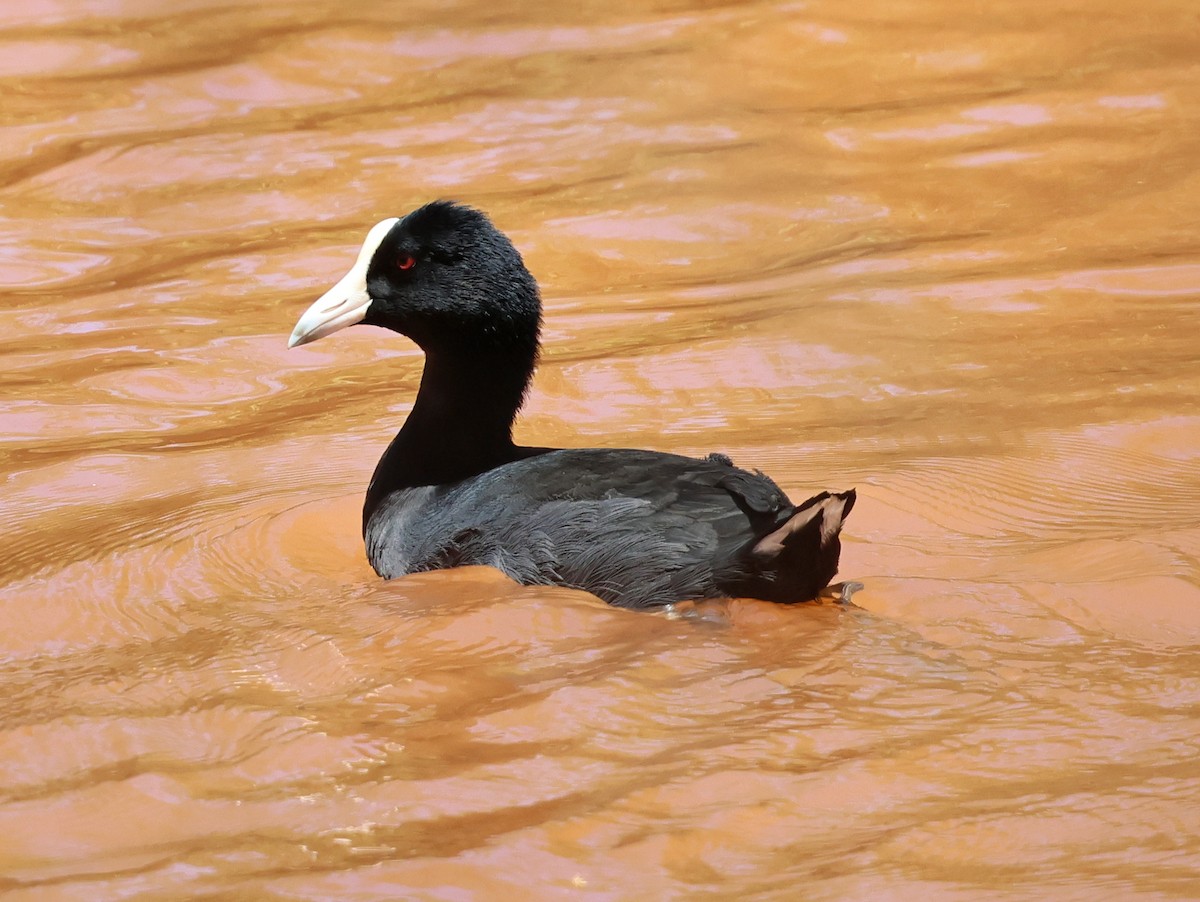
(636, 528)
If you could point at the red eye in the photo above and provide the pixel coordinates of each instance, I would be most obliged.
(406, 261)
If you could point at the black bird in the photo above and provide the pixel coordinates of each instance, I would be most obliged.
(637, 528)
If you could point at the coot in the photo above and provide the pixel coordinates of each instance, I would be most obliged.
(637, 528)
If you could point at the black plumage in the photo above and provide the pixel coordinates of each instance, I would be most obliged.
(637, 528)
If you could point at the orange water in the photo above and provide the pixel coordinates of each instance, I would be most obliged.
(943, 252)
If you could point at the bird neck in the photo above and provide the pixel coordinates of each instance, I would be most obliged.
(460, 424)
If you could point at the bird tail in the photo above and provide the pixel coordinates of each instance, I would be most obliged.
(802, 553)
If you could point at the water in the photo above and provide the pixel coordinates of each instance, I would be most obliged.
(945, 254)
